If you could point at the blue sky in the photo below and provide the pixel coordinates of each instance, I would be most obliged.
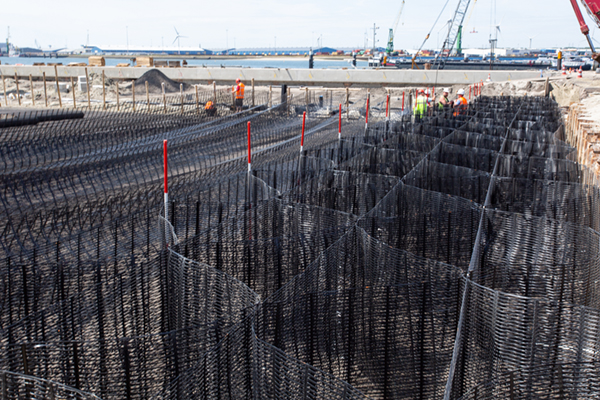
(268, 23)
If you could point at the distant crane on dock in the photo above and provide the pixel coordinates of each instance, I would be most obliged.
(7, 41)
(390, 43)
(454, 32)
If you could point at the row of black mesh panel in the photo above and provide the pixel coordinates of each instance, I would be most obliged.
(76, 355)
(139, 175)
(33, 146)
(558, 200)
(81, 231)
(189, 150)
(130, 335)
(374, 309)
(539, 258)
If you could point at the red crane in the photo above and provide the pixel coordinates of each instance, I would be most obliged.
(593, 8)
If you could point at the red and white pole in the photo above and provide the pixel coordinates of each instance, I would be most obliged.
(402, 101)
(340, 124)
(249, 152)
(367, 114)
(303, 126)
(166, 178)
(387, 108)
(470, 88)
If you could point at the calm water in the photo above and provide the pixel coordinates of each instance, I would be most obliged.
(249, 63)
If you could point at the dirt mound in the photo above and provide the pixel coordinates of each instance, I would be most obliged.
(155, 78)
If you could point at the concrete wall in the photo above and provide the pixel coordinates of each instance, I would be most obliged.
(293, 77)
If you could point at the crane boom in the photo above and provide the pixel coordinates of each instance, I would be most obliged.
(397, 20)
(582, 25)
(390, 44)
(457, 22)
(593, 8)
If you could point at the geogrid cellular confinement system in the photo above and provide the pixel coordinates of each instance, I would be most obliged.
(456, 257)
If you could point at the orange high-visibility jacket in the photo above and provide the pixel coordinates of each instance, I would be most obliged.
(460, 105)
(239, 91)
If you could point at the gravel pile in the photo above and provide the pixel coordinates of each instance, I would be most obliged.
(155, 78)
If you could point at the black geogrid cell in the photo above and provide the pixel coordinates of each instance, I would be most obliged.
(407, 260)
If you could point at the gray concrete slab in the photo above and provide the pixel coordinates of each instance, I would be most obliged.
(294, 77)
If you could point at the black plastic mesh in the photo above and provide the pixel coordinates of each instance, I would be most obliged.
(453, 257)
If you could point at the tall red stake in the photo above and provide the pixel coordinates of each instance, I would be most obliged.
(303, 126)
(387, 107)
(340, 123)
(367, 115)
(166, 195)
(249, 152)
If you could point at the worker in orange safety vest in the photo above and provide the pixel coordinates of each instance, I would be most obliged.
(239, 95)
(460, 104)
(210, 109)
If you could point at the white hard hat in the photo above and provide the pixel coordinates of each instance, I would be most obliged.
(461, 91)
(446, 90)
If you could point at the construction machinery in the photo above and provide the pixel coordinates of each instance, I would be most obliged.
(390, 44)
(593, 9)
(454, 33)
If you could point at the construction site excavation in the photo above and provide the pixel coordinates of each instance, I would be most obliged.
(161, 242)
(424, 228)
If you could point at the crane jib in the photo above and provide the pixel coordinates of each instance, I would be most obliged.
(457, 22)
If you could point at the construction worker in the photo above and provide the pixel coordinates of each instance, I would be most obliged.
(460, 104)
(239, 95)
(429, 101)
(444, 102)
(210, 109)
(420, 108)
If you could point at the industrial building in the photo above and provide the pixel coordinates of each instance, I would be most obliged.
(125, 50)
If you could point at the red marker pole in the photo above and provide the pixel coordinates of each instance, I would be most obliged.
(387, 107)
(249, 152)
(340, 124)
(302, 137)
(470, 87)
(367, 115)
(166, 197)
(402, 101)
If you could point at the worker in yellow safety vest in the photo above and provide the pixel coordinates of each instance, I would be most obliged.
(239, 95)
(444, 102)
(460, 104)
(420, 107)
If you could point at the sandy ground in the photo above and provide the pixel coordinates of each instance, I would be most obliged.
(332, 97)
(566, 90)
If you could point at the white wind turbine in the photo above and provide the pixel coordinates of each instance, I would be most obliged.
(177, 40)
